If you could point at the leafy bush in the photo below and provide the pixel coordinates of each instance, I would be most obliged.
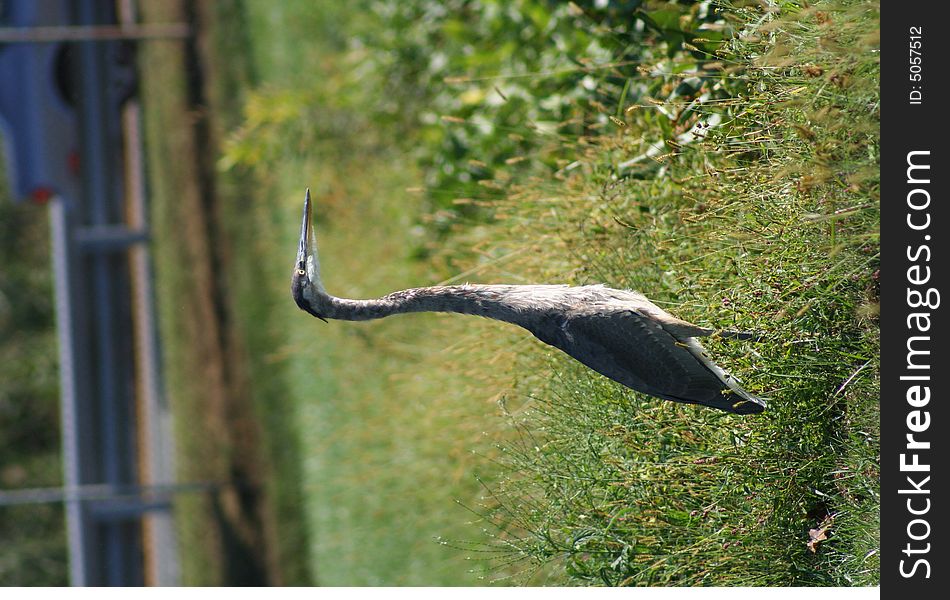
(34, 548)
(484, 93)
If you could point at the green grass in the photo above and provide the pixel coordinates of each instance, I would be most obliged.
(384, 439)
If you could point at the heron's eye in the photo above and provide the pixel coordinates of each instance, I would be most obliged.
(301, 272)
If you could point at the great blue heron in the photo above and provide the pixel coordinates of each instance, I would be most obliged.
(617, 333)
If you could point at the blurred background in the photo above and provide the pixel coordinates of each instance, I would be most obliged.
(169, 417)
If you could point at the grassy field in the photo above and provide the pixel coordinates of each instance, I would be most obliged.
(731, 178)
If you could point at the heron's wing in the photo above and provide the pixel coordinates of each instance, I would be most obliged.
(635, 350)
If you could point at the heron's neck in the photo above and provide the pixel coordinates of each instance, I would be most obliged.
(511, 303)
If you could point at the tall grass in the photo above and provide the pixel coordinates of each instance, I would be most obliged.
(767, 222)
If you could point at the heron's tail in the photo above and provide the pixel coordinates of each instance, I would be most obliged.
(735, 398)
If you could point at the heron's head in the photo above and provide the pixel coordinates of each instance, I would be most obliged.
(306, 286)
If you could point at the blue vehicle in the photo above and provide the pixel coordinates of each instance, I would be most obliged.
(67, 82)
(41, 97)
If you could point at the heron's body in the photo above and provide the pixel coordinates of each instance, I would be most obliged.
(617, 333)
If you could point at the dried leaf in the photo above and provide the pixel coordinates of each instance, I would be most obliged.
(820, 534)
(816, 535)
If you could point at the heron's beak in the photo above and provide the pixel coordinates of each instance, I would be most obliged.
(307, 267)
(306, 234)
